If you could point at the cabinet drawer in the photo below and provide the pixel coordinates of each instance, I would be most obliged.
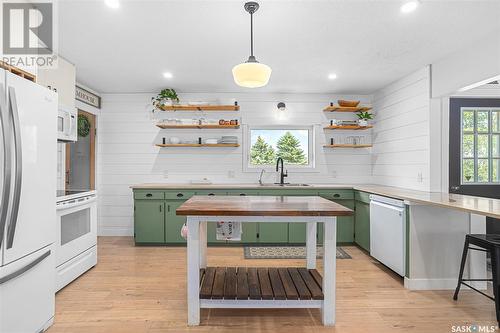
(142, 195)
(362, 196)
(181, 195)
(242, 192)
(211, 193)
(337, 195)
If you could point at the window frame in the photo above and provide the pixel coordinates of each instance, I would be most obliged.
(247, 145)
(475, 133)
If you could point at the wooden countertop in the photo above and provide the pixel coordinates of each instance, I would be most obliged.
(261, 206)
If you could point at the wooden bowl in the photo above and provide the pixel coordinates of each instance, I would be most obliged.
(349, 104)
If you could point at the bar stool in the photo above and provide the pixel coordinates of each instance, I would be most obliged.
(487, 243)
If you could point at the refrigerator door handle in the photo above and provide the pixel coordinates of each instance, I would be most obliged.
(18, 167)
(26, 268)
(7, 163)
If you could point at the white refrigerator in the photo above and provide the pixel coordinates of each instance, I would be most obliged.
(28, 155)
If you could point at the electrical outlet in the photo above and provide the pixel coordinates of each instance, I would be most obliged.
(334, 174)
(165, 174)
(231, 174)
(420, 178)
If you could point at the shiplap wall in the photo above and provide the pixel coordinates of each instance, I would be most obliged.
(401, 138)
(127, 155)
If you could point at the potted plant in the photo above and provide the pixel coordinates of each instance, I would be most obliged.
(165, 97)
(364, 116)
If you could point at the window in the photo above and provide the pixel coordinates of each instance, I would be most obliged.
(480, 145)
(293, 144)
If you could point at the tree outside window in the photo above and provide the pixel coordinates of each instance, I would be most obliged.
(290, 144)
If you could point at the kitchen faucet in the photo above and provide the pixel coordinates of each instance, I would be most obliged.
(282, 173)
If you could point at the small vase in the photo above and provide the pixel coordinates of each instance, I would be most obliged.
(363, 122)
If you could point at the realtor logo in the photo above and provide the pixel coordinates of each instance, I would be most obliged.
(28, 34)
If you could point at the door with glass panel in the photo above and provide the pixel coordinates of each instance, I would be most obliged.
(475, 146)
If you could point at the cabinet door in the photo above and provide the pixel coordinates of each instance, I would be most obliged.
(362, 225)
(345, 225)
(174, 223)
(149, 221)
(297, 232)
(273, 232)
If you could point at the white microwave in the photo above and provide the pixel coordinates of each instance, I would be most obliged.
(67, 124)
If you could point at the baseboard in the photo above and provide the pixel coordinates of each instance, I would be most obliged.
(47, 325)
(438, 284)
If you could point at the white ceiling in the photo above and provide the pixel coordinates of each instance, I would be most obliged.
(367, 43)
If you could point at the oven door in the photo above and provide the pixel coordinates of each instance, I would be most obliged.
(76, 229)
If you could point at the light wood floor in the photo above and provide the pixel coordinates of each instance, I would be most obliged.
(143, 289)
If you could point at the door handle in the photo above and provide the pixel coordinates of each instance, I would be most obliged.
(7, 162)
(25, 268)
(18, 167)
(180, 195)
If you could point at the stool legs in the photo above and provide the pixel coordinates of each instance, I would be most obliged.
(462, 266)
(495, 270)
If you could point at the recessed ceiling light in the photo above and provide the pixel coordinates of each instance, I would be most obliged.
(167, 75)
(409, 6)
(332, 76)
(112, 3)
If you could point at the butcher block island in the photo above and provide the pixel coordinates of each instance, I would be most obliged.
(247, 287)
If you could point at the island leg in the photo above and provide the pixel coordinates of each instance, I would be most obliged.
(203, 244)
(193, 270)
(329, 271)
(311, 245)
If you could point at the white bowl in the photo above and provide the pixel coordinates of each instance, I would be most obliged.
(174, 140)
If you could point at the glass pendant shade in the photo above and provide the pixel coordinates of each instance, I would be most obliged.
(251, 74)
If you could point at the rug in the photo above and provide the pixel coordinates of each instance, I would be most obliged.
(286, 252)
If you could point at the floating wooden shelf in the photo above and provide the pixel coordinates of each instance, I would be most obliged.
(349, 127)
(17, 71)
(200, 107)
(242, 283)
(337, 108)
(198, 145)
(347, 146)
(198, 126)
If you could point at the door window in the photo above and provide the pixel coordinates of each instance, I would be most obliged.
(480, 145)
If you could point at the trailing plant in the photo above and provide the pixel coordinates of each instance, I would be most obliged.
(83, 126)
(165, 94)
(364, 115)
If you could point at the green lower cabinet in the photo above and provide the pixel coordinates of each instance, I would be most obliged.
(250, 231)
(174, 222)
(362, 225)
(297, 233)
(149, 221)
(345, 225)
(273, 232)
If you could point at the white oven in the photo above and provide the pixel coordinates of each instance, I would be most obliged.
(67, 124)
(76, 246)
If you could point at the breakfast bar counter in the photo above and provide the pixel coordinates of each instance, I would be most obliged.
(244, 287)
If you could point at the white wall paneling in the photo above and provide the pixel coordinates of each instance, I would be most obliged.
(401, 133)
(127, 155)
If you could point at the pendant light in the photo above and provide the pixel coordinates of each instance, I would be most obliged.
(251, 74)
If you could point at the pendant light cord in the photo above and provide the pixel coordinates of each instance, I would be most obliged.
(251, 34)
